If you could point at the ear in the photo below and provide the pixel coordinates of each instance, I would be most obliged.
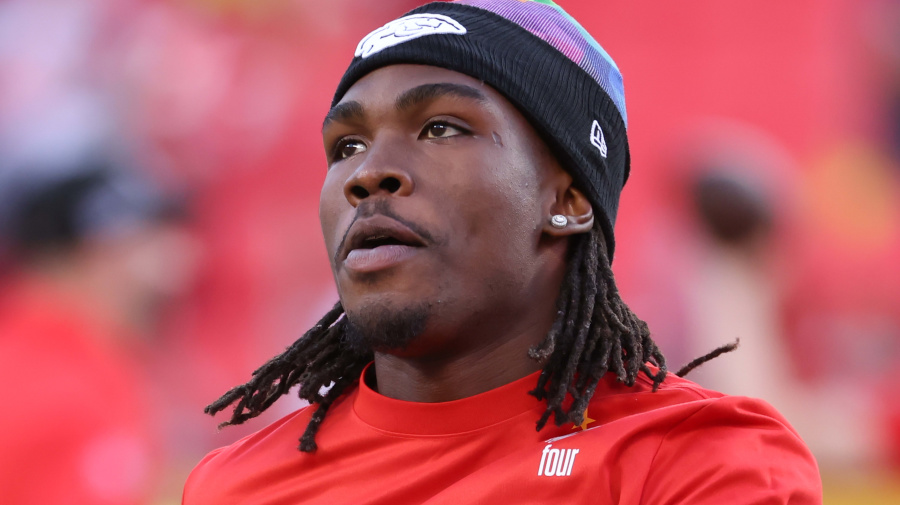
(574, 205)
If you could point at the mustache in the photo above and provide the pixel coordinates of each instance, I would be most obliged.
(382, 208)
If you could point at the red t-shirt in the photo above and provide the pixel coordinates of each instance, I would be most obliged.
(681, 444)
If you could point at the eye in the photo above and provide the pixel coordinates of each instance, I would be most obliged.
(441, 129)
(346, 148)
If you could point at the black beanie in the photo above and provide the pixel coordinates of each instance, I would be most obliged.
(542, 61)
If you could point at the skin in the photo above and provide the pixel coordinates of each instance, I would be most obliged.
(122, 278)
(449, 157)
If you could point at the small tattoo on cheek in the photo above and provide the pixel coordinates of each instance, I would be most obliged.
(497, 140)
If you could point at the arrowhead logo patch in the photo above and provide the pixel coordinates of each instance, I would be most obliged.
(405, 29)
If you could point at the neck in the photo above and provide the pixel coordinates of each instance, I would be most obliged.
(492, 354)
(430, 381)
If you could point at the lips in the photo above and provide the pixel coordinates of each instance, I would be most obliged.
(377, 243)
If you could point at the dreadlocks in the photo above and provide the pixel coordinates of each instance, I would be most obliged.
(594, 333)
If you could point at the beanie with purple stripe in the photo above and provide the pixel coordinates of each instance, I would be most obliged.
(542, 61)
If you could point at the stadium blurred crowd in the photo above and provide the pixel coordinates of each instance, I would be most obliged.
(160, 164)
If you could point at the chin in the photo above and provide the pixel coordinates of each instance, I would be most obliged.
(383, 326)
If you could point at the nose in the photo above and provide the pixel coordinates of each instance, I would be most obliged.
(376, 177)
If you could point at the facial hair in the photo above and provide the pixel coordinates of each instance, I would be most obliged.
(384, 329)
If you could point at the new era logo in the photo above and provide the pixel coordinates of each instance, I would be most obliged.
(405, 29)
(597, 138)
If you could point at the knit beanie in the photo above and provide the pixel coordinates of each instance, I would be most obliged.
(542, 61)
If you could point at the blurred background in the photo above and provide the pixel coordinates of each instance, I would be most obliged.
(160, 165)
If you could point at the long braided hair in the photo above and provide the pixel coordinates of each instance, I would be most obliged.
(594, 333)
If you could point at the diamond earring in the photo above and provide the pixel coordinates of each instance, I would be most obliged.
(559, 221)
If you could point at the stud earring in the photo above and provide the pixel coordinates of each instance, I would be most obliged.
(559, 221)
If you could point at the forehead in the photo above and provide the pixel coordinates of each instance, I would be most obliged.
(387, 83)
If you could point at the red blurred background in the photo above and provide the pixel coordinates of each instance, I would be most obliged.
(795, 103)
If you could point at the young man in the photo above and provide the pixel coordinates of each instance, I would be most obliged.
(476, 153)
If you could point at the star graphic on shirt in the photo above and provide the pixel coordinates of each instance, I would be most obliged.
(584, 424)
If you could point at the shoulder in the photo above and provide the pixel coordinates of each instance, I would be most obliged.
(214, 477)
(727, 449)
(680, 408)
(686, 444)
(675, 399)
(735, 450)
(704, 409)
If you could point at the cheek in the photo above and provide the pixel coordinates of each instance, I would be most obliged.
(331, 206)
(507, 197)
(502, 212)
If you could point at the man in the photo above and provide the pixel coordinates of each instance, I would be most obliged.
(92, 253)
(476, 153)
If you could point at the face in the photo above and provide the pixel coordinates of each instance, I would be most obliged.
(434, 209)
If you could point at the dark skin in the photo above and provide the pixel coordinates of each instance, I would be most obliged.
(446, 163)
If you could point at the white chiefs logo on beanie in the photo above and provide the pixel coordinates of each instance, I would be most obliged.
(405, 29)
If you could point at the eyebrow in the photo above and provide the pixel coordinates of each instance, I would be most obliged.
(344, 112)
(353, 110)
(420, 94)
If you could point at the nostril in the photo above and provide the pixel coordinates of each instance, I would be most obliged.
(359, 192)
(390, 184)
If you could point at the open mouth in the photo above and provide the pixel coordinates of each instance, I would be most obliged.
(378, 243)
(381, 232)
(381, 240)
